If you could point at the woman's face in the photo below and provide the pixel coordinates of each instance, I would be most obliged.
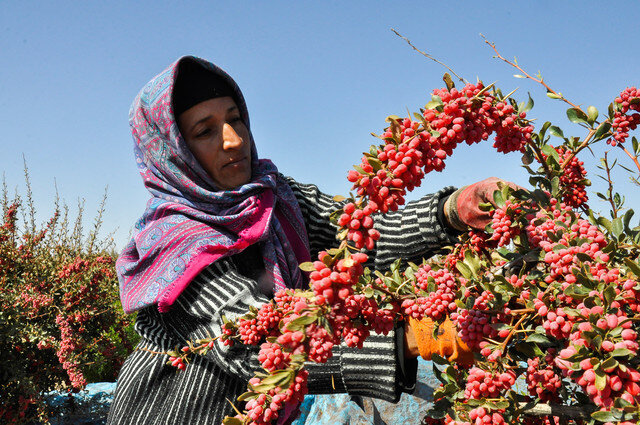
(219, 140)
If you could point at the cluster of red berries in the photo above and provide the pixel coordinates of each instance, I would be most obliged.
(481, 416)
(487, 384)
(359, 225)
(333, 283)
(623, 122)
(440, 302)
(473, 326)
(563, 237)
(503, 223)
(542, 380)
(472, 115)
(572, 179)
(265, 408)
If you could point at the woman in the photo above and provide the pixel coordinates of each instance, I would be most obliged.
(223, 231)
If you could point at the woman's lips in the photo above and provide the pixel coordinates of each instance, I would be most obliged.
(235, 162)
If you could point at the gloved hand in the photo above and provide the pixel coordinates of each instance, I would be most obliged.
(462, 209)
(448, 344)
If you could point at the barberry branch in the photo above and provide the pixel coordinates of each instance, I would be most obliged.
(428, 56)
(526, 74)
(633, 157)
(583, 145)
(607, 168)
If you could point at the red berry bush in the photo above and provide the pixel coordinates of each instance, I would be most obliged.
(548, 291)
(61, 325)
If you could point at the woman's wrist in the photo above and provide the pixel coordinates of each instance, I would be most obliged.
(450, 211)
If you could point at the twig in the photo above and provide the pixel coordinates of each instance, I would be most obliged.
(583, 145)
(633, 158)
(428, 56)
(539, 409)
(526, 74)
(541, 159)
(614, 210)
(512, 332)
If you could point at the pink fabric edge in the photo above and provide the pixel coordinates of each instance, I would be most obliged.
(191, 271)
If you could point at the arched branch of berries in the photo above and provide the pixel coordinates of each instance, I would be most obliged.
(548, 291)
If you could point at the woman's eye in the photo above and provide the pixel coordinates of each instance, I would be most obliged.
(203, 133)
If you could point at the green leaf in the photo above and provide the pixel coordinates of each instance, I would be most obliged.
(602, 130)
(554, 96)
(633, 266)
(555, 187)
(556, 131)
(464, 270)
(247, 396)
(551, 152)
(375, 163)
(601, 379)
(231, 421)
(616, 227)
(602, 221)
(528, 106)
(498, 198)
(626, 219)
(303, 320)
(438, 359)
(360, 170)
(391, 118)
(607, 416)
(576, 115)
(519, 76)
(538, 338)
(307, 267)
(592, 114)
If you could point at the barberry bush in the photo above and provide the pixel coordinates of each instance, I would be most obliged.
(61, 324)
(547, 292)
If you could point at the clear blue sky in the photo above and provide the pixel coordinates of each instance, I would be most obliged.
(318, 78)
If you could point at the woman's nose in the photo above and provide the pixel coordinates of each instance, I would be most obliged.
(231, 139)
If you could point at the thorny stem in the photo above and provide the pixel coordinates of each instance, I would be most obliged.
(526, 74)
(614, 210)
(633, 157)
(512, 332)
(541, 160)
(583, 145)
(428, 56)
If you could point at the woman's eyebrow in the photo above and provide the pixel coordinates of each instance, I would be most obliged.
(229, 110)
(199, 121)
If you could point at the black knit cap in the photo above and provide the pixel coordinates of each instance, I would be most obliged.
(194, 84)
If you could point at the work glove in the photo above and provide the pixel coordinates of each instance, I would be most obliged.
(447, 344)
(462, 209)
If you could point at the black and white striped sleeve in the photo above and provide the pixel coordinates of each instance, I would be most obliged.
(417, 231)
(414, 232)
(219, 290)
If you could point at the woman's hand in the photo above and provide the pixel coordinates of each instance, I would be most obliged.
(462, 208)
(420, 341)
(411, 350)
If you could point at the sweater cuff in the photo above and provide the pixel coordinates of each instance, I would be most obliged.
(430, 211)
(373, 370)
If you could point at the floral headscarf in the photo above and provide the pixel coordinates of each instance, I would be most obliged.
(189, 223)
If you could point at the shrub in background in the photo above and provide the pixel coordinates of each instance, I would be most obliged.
(61, 324)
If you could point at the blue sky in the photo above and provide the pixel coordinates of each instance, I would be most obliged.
(318, 78)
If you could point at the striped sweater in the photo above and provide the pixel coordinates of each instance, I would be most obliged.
(150, 392)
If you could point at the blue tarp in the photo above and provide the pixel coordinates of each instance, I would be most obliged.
(87, 407)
